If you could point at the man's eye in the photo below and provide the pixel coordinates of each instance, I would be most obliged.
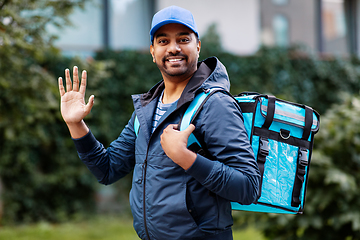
(162, 41)
(183, 40)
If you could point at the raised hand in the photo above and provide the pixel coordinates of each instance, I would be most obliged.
(73, 107)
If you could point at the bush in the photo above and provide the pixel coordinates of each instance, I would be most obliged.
(40, 179)
(293, 75)
(130, 72)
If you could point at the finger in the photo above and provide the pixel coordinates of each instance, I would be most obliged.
(61, 87)
(189, 129)
(75, 78)
(83, 82)
(174, 126)
(68, 80)
(171, 127)
(90, 104)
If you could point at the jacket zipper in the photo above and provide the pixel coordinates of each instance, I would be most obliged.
(144, 179)
(144, 187)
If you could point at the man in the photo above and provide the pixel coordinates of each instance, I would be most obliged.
(176, 193)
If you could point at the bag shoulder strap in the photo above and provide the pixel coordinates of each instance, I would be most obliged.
(193, 110)
(136, 125)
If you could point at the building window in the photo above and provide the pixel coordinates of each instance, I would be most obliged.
(85, 36)
(281, 30)
(114, 24)
(338, 27)
(130, 22)
(280, 2)
(334, 27)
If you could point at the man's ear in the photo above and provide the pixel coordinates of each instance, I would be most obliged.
(152, 52)
(199, 47)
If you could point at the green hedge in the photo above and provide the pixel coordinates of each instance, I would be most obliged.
(293, 75)
(289, 74)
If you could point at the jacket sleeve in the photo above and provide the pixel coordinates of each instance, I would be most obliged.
(111, 164)
(232, 173)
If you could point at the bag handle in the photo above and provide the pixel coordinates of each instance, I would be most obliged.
(308, 122)
(270, 112)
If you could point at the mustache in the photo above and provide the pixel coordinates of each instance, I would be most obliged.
(174, 55)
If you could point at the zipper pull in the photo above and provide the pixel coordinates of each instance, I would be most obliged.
(140, 180)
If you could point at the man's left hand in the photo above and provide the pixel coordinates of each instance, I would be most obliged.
(174, 144)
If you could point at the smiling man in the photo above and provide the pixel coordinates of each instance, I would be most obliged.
(175, 50)
(176, 193)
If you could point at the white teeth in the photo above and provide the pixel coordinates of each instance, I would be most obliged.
(174, 60)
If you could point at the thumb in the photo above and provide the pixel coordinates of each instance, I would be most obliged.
(90, 104)
(189, 129)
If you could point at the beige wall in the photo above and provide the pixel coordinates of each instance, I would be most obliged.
(238, 21)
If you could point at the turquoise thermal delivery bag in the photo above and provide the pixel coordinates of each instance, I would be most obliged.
(281, 134)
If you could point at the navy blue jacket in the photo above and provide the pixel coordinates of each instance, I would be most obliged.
(168, 202)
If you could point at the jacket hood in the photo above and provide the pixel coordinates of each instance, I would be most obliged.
(218, 76)
(210, 73)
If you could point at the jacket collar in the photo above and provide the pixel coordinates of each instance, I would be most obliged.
(210, 73)
(199, 77)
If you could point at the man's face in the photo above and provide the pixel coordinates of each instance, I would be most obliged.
(175, 51)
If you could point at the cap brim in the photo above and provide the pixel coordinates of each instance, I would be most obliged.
(160, 24)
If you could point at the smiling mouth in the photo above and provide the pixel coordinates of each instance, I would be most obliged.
(175, 59)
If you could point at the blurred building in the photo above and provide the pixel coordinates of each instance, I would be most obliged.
(325, 26)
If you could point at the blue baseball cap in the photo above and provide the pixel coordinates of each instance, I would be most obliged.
(172, 14)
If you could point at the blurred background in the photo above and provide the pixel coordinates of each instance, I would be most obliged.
(305, 51)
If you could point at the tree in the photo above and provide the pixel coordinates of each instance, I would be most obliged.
(41, 180)
(210, 43)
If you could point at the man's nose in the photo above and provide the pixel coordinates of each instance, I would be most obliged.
(174, 47)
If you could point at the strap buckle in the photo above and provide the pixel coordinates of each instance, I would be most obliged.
(303, 157)
(264, 146)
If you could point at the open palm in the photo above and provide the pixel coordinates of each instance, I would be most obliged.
(73, 107)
